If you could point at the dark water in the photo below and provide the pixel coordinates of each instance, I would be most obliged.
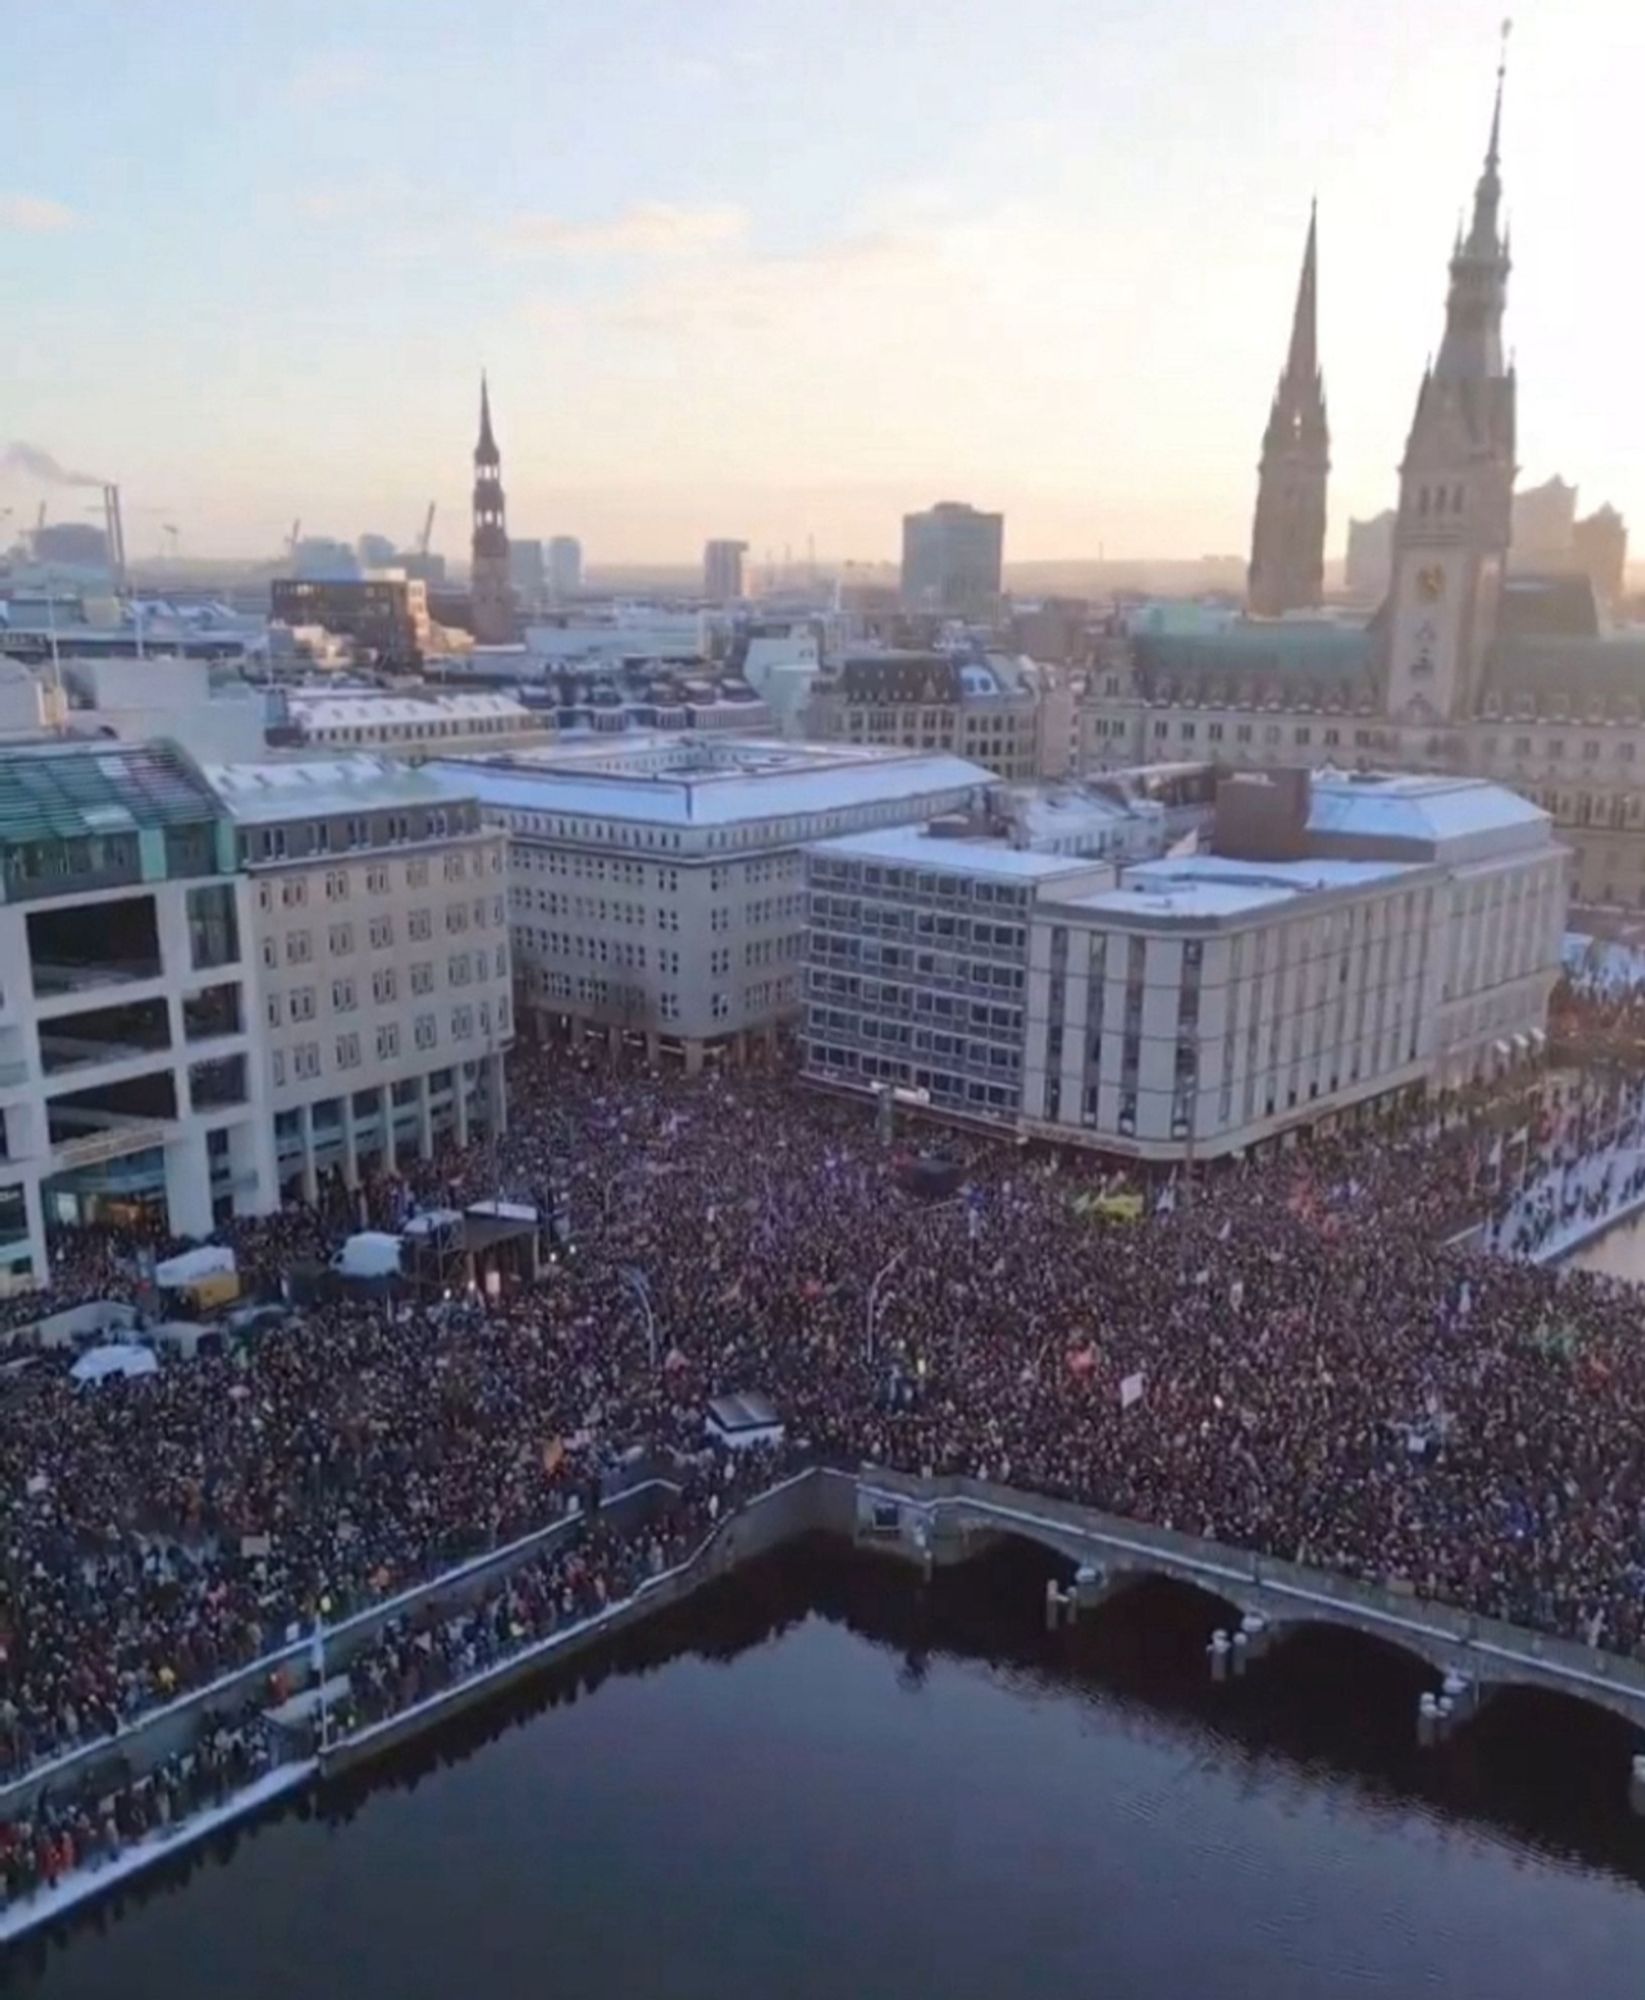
(830, 1780)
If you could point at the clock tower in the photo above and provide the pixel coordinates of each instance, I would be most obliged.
(1457, 482)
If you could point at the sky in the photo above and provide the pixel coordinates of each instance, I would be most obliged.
(781, 270)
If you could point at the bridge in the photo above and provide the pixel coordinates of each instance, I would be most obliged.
(945, 1520)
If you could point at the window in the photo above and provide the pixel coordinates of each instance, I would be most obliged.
(216, 1011)
(302, 1003)
(388, 1041)
(423, 1031)
(213, 927)
(382, 933)
(342, 940)
(377, 881)
(348, 1051)
(274, 1010)
(462, 1023)
(305, 1059)
(343, 996)
(422, 978)
(336, 886)
(416, 874)
(298, 948)
(420, 925)
(385, 985)
(277, 1065)
(457, 968)
(293, 893)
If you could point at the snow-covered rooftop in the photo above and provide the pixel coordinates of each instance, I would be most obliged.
(913, 846)
(311, 787)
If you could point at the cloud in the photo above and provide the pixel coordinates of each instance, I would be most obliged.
(642, 229)
(34, 215)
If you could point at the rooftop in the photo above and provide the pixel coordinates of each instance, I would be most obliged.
(63, 791)
(693, 781)
(1426, 809)
(1209, 887)
(325, 709)
(307, 788)
(977, 854)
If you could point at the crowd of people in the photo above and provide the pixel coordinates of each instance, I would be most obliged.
(1289, 1355)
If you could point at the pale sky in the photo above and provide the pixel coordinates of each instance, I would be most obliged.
(772, 268)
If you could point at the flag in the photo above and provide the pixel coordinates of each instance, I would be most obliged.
(1131, 1390)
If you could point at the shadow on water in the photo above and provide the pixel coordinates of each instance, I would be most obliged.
(1539, 1774)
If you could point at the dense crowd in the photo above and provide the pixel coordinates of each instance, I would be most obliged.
(1288, 1355)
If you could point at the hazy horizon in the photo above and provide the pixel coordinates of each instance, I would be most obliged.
(782, 271)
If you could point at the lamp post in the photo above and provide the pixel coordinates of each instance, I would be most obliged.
(874, 1302)
(634, 1278)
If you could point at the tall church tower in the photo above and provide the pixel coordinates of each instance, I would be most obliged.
(492, 594)
(1457, 481)
(1288, 536)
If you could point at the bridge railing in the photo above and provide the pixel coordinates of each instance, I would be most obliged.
(1395, 1604)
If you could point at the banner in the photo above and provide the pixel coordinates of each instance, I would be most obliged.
(1131, 1390)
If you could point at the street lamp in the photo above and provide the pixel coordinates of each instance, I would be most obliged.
(634, 1278)
(874, 1302)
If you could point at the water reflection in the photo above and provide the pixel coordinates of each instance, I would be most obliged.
(754, 1779)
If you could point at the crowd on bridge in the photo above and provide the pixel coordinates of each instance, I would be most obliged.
(1286, 1354)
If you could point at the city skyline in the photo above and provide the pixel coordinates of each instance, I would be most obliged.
(729, 285)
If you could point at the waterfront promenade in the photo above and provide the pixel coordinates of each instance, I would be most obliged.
(929, 1522)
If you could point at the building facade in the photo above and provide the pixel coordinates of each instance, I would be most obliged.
(129, 1082)
(657, 887)
(951, 560)
(986, 707)
(1333, 944)
(1288, 533)
(382, 979)
(565, 567)
(723, 571)
(412, 723)
(379, 614)
(1470, 666)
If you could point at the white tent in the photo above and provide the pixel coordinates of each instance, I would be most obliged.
(371, 1254)
(97, 1364)
(193, 1265)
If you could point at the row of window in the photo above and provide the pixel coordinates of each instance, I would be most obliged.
(304, 1060)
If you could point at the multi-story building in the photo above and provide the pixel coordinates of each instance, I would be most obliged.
(383, 615)
(951, 560)
(723, 571)
(129, 1080)
(1337, 943)
(1468, 667)
(565, 567)
(378, 933)
(657, 887)
(412, 722)
(983, 706)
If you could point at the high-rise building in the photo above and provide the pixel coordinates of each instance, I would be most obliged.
(527, 574)
(1370, 557)
(1457, 481)
(1288, 534)
(951, 557)
(489, 585)
(565, 566)
(723, 571)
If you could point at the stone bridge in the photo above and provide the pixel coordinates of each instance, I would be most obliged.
(941, 1521)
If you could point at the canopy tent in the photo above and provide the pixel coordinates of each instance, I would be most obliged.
(371, 1254)
(125, 1358)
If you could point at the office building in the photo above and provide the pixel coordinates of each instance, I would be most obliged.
(130, 1087)
(951, 560)
(1334, 943)
(527, 575)
(657, 886)
(377, 928)
(723, 571)
(565, 567)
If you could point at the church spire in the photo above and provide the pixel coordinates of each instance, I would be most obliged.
(1472, 347)
(1302, 364)
(486, 452)
(1288, 535)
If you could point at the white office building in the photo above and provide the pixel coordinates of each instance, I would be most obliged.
(657, 885)
(129, 1081)
(1338, 943)
(378, 928)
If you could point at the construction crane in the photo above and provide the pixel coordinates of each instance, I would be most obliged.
(427, 535)
(293, 539)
